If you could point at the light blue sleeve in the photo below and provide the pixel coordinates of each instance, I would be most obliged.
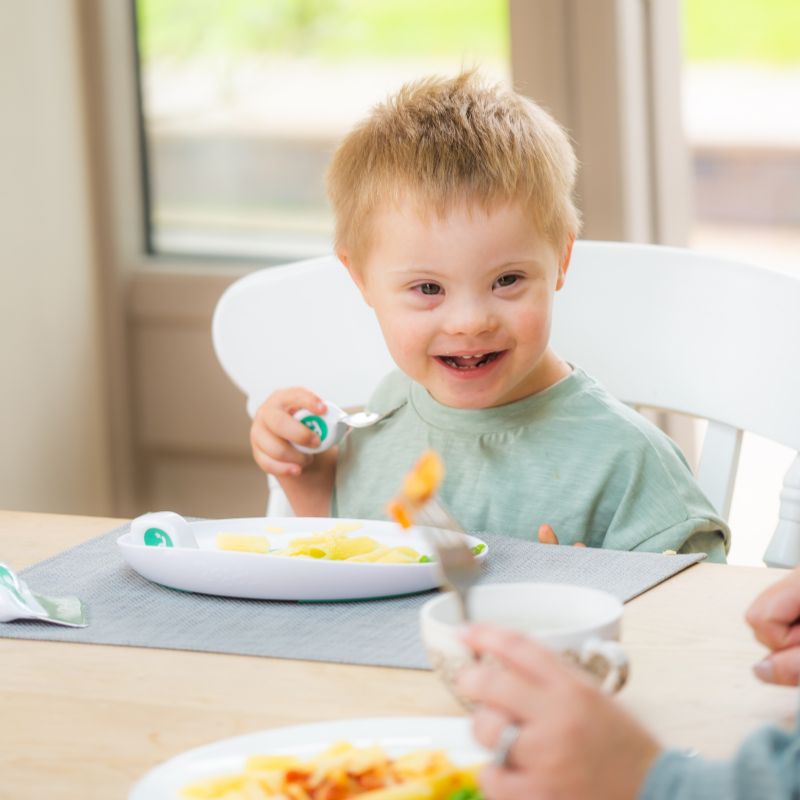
(767, 767)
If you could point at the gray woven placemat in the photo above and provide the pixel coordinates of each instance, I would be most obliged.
(126, 609)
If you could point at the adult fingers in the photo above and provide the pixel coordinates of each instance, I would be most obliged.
(487, 725)
(774, 614)
(782, 667)
(521, 653)
(509, 693)
(499, 783)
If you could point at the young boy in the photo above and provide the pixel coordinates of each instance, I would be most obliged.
(454, 216)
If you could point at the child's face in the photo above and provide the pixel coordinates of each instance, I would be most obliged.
(465, 301)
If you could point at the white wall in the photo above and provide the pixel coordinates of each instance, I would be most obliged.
(54, 449)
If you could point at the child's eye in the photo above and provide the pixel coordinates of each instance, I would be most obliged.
(506, 280)
(429, 288)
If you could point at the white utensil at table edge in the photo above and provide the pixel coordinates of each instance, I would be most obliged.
(17, 601)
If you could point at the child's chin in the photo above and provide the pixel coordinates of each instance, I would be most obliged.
(463, 399)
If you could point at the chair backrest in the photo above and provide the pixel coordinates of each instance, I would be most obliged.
(658, 326)
(304, 324)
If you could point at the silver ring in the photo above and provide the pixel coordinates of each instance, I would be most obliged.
(502, 750)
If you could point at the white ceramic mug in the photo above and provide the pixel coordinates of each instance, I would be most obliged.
(582, 624)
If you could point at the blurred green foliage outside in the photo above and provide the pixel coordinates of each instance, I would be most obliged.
(332, 29)
(760, 31)
(763, 31)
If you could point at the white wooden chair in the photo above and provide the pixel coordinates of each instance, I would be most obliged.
(660, 327)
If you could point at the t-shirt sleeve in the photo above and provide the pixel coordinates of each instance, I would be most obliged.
(766, 766)
(693, 535)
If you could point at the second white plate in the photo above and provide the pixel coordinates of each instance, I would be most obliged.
(396, 735)
(264, 577)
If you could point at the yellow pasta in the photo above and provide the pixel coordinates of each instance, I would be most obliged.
(342, 772)
(335, 544)
(242, 542)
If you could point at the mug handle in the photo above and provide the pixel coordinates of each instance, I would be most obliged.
(608, 660)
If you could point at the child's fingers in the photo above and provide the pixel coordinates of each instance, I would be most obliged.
(289, 429)
(547, 535)
(295, 398)
(275, 415)
(275, 455)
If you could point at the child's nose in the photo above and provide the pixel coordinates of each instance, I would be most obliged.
(469, 319)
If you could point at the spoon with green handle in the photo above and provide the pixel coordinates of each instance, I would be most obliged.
(334, 424)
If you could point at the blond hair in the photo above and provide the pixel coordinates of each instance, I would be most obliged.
(444, 141)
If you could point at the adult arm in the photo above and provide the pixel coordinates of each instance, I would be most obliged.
(767, 767)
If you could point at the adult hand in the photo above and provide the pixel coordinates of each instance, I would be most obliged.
(548, 536)
(574, 742)
(774, 617)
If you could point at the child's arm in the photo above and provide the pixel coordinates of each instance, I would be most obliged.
(306, 479)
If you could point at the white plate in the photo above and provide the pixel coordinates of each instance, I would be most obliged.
(264, 577)
(396, 735)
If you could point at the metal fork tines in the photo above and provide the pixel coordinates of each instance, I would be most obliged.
(456, 559)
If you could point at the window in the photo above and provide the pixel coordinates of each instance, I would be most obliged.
(741, 88)
(242, 103)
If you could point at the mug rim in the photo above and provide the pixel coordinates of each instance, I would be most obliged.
(428, 612)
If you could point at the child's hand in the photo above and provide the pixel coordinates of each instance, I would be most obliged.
(274, 432)
(548, 536)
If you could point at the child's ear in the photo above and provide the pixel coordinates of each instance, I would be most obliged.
(564, 265)
(358, 279)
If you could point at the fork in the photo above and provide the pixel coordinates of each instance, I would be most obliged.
(456, 559)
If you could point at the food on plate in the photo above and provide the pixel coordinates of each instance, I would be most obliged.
(334, 544)
(419, 486)
(242, 542)
(337, 544)
(342, 772)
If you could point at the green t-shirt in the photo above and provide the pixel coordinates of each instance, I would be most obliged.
(571, 456)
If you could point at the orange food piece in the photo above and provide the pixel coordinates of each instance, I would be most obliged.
(419, 485)
(399, 513)
(424, 478)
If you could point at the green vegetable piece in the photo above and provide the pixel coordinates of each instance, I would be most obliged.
(466, 794)
(425, 559)
(479, 548)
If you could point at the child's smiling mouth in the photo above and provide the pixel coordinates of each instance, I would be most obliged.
(470, 363)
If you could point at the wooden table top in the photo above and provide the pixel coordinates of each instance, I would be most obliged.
(86, 720)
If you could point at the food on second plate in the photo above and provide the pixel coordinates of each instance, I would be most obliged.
(242, 542)
(342, 772)
(418, 487)
(335, 544)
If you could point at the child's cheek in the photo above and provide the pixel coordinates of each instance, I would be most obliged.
(405, 341)
(534, 326)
